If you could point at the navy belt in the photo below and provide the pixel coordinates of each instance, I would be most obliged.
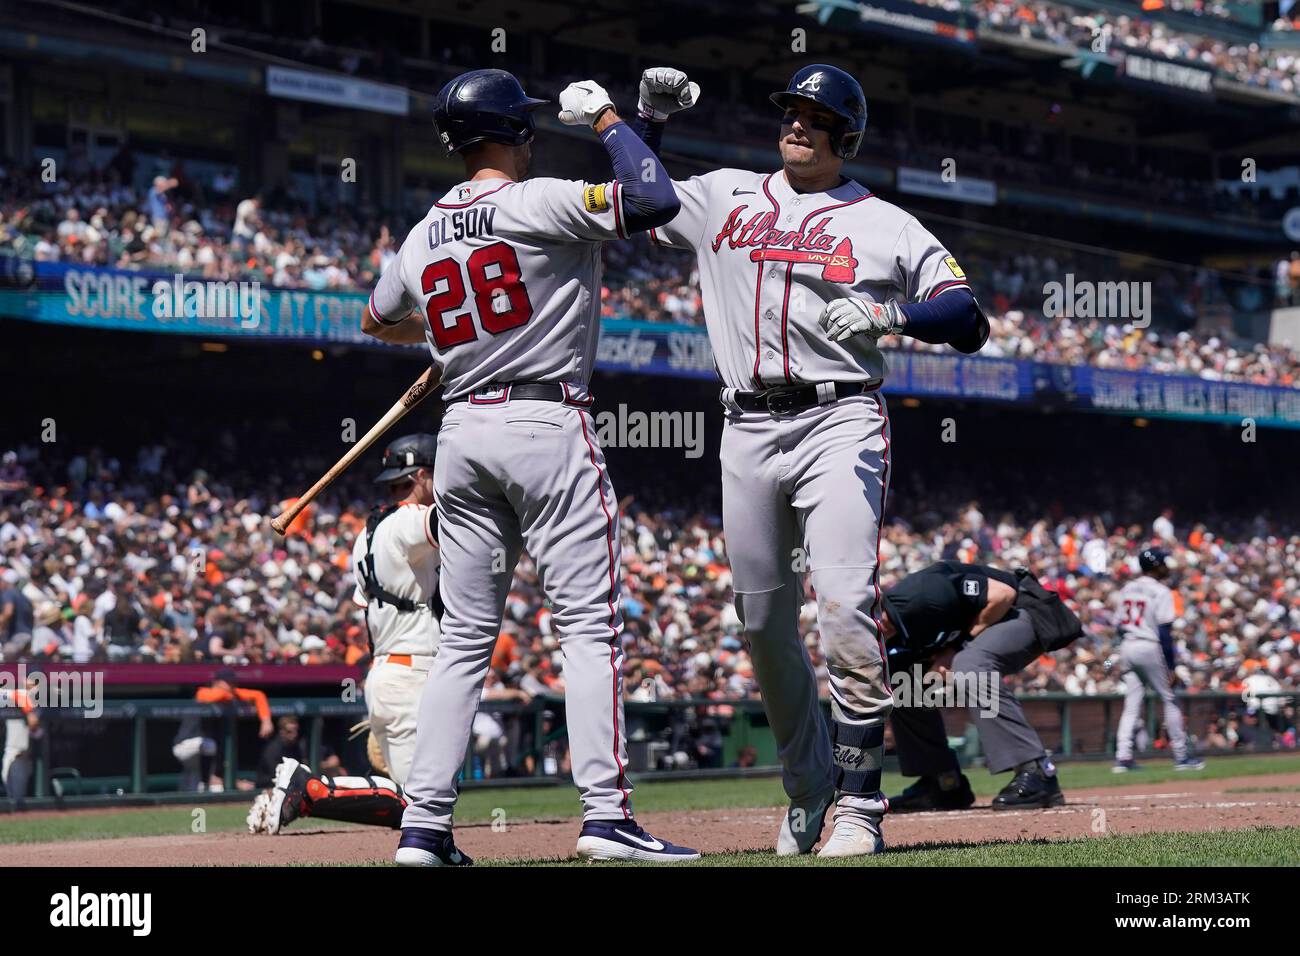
(788, 399)
(535, 391)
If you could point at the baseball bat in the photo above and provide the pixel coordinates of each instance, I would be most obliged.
(413, 396)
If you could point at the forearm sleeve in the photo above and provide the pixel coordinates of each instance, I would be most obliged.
(646, 191)
(650, 133)
(1167, 643)
(950, 318)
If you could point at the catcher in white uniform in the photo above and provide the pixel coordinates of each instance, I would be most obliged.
(1145, 609)
(395, 564)
(802, 270)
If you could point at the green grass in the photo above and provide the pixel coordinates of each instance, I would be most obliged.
(1261, 846)
(561, 802)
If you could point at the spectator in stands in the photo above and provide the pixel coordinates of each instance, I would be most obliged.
(13, 476)
(247, 222)
(1282, 284)
(17, 619)
(158, 204)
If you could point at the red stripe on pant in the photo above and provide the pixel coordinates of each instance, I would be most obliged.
(880, 527)
(613, 587)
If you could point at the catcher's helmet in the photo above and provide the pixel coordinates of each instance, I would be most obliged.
(838, 92)
(484, 105)
(406, 456)
(1154, 559)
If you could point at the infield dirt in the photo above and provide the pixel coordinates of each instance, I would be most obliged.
(1182, 805)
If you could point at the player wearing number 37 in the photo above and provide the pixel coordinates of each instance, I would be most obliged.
(502, 279)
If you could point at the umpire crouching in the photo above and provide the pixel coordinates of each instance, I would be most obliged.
(981, 624)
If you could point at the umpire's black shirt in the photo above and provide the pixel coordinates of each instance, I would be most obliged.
(945, 597)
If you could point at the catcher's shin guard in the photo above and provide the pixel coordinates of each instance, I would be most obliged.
(375, 801)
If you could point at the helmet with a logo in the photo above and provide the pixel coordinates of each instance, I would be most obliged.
(407, 455)
(1154, 559)
(840, 93)
(484, 105)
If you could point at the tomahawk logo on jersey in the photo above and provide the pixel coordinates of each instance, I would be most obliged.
(503, 273)
(790, 254)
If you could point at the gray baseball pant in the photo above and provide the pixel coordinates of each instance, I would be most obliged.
(805, 493)
(518, 474)
(1144, 666)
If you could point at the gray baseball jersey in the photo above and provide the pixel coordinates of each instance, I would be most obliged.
(805, 493)
(784, 255)
(507, 276)
(1142, 606)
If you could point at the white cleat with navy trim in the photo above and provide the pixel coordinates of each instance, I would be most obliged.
(853, 838)
(624, 840)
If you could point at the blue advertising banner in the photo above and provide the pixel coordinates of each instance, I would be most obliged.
(151, 302)
(117, 299)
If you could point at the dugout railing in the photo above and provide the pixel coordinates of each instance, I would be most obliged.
(125, 751)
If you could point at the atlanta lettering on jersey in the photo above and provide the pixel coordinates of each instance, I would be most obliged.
(758, 231)
(462, 224)
(816, 246)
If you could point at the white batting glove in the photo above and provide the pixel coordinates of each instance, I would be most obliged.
(581, 103)
(665, 91)
(845, 317)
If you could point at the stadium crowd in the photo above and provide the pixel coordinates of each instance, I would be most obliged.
(153, 560)
(178, 224)
(1249, 63)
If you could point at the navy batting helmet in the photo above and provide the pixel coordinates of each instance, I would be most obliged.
(1154, 559)
(484, 105)
(407, 455)
(838, 92)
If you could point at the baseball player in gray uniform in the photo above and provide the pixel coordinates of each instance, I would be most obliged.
(802, 271)
(502, 279)
(1145, 618)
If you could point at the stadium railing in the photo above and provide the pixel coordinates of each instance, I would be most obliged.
(116, 755)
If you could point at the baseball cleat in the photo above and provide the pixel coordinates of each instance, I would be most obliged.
(1189, 763)
(624, 840)
(802, 825)
(853, 838)
(926, 794)
(257, 813)
(1124, 766)
(1030, 789)
(286, 801)
(421, 847)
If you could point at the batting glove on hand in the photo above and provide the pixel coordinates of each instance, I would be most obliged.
(845, 317)
(665, 91)
(582, 103)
